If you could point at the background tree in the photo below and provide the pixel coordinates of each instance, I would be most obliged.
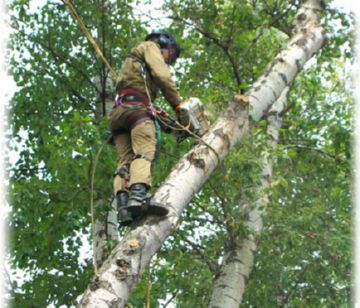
(307, 227)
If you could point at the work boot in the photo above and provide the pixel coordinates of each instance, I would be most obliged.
(124, 216)
(140, 202)
(137, 198)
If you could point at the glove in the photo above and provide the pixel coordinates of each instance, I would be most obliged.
(182, 116)
(181, 135)
(166, 124)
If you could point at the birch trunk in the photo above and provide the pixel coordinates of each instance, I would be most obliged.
(237, 263)
(121, 271)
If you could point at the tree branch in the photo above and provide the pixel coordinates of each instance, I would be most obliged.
(206, 210)
(261, 32)
(231, 28)
(57, 57)
(238, 259)
(309, 148)
(104, 73)
(199, 251)
(170, 299)
(68, 85)
(10, 283)
(216, 41)
(284, 300)
(287, 109)
(228, 219)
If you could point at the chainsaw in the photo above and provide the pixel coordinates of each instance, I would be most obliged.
(192, 116)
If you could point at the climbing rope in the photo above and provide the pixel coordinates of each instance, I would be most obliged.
(87, 34)
(92, 208)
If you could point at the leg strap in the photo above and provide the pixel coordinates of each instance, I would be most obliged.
(123, 172)
(142, 156)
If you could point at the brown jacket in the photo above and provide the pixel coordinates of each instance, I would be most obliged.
(158, 74)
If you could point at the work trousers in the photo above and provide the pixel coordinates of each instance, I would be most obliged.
(135, 145)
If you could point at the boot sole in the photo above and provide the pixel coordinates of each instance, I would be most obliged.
(149, 207)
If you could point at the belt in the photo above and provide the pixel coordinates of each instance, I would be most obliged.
(130, 95)
(131, 98)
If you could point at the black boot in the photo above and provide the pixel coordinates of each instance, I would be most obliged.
(137, 198)
(124, 216)
(140, 202)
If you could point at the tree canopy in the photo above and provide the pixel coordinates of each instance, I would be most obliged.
(57, 123)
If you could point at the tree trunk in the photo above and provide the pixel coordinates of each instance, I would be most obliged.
(238, 261)
(121, 271)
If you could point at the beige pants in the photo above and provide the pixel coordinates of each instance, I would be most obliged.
(136, 148)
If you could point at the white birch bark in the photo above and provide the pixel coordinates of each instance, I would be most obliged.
(121, 271)
(308, 37)
(238, 261)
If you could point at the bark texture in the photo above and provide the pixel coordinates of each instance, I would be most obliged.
(238, 260)
(308, 37)
(121, 271)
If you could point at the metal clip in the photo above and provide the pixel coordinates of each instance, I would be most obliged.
(118, 100)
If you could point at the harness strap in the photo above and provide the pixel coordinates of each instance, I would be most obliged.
(123, 172)
(135, 57)
(130, 96)
(142, 156)
(138, 117)
(128, 92)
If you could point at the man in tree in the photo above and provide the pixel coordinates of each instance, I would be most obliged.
(143, 73)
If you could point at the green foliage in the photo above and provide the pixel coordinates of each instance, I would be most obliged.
(54, 117)
(308, 238)
(57, 123)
